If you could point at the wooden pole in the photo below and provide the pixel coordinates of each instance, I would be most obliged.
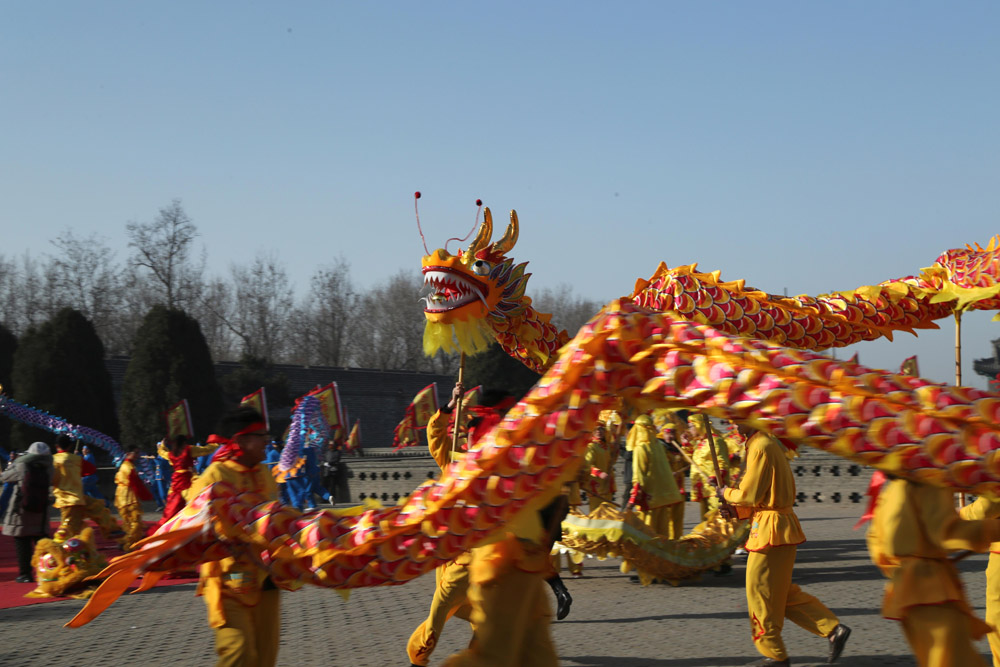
(711, 449)
(958, 372)
(958, 349)
(458, 406)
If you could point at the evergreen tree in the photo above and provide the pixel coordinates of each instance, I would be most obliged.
(8, 345)
(170, 362)
(59, 367)
(497, 371)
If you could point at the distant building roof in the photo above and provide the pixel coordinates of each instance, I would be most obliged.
(989, 367)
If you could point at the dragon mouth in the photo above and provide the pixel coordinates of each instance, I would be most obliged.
(450, 289)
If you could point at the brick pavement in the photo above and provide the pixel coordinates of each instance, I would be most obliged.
(613, 623)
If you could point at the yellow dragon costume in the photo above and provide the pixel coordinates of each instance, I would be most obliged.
(673, 358)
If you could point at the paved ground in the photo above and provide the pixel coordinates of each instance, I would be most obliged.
(613, 623)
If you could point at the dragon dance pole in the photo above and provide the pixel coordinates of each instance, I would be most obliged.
(958, 372)
(711, 449)
(458, 405)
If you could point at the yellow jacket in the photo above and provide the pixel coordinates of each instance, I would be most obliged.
(651, 470)
(438, 441)
(983, 508)
(913, 529)
(124, 495)
(766, 495)
(236, 577)
(598, 457)
(67, 480)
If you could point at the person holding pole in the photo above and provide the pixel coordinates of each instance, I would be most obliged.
(766, 495)
(654, 490)
(451, 580)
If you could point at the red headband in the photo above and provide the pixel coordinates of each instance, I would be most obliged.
(229, 449)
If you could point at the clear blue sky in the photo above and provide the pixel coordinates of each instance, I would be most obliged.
(801, 146)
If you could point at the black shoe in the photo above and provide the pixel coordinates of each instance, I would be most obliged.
(763, 662)
(563, 599)
(724, 569)
(838, 638)
(24, 579)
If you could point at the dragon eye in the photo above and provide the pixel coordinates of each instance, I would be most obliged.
(481, 268)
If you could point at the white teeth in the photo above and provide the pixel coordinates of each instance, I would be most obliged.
(449, 291)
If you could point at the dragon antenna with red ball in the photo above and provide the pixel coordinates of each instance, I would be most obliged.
(475, 224)
(416, 196)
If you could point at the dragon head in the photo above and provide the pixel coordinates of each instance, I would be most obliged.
(474, 293)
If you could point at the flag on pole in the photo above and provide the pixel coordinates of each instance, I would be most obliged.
(354, 439)
(418, 413)
(472, 397)
(178, 419)
(329, 399)
(258, 401)
(909, 367)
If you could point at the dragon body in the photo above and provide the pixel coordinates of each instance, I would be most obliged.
(901, 424)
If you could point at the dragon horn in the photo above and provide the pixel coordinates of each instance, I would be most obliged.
(509, 237)
(482, 238)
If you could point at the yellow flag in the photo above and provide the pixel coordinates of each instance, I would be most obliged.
(329, 399)
(909, 366)
(354, 439)
(179, 420)
(425, 404)
(258, 401)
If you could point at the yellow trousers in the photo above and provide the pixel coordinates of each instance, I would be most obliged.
(676, 521)
(450, 599)
(251, 635)
(574, 562)
(993, 605)
(132, 524)
(512, 616)
(93, 509)
(772, 597)
(940, 636)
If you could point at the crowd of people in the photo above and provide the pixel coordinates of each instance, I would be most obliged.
(500, 587)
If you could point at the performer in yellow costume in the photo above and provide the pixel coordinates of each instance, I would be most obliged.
(765, 496)
(244, 606)
(913, 528)
(451, 580)
(654, 490)
(703, 469)
(129, 492)
(674, 434)
(510, 608)
(73, 504)
(987, 508)
(599, 482)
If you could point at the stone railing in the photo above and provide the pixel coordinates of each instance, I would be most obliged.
(388, 476)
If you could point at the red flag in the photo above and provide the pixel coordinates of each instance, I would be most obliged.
(418, 413)
(178, 420)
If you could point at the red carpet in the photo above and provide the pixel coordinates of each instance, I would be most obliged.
(12, 593)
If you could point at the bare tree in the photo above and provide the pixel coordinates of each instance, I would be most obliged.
(568, 311)
(163, 247)
(30, 295)
(213, 312)
(263, 304)
(87, 279)
(323, 323)
(389, 331)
